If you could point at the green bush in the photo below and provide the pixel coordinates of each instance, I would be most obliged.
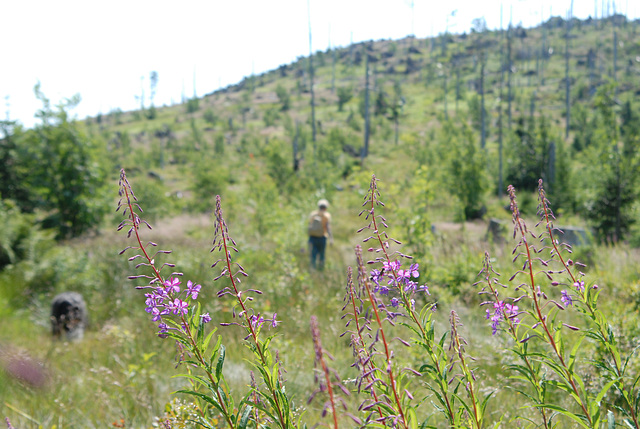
(209, 181)
(193, 105)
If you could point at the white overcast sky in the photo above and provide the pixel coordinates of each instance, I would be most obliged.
(101, 49)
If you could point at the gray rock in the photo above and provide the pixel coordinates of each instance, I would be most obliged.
(573, 236)
(497, 230)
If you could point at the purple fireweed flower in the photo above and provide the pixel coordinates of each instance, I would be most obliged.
(179, 307)
(496, 316)
(157, 314)
(164, 329)
(501, 310)
(395, 302)
(206, 318)
(566, 299)
(512, 311)
(172, 285)
(256, 320)
(192, 289)
(424, 288)
(409, 286)
(375, 276)
(579, 285)
(274, 322)
(391, 266)
(151, 304)
(411, 272)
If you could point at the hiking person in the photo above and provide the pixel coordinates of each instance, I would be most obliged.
(319, 230)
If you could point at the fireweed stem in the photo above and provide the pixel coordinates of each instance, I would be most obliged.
(282, 419)
(521, 347)
(408, 305)
(363, 355)
(135, 219)
(609, 346)
(567, 373)
(458, 343)
(374, 306)
(315, 334)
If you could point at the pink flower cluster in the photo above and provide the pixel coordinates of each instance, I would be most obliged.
(167, 299)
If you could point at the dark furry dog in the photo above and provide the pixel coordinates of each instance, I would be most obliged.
(68, 315)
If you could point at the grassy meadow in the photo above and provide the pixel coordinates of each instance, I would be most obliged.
(241, 143)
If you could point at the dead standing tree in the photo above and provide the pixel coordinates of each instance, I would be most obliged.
(367, 121)
(313, 104)
(566, 74)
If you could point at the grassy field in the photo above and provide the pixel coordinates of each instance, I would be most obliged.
(122, 371)
(238, 144)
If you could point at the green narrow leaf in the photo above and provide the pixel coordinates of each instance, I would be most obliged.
(204, 397)
(566, 413)
(611, 420)
(244, 419)
(205, 342)
(220, 362)
(413, 419)
(604, 391)
(574, 353)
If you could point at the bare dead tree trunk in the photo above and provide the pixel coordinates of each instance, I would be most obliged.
(333, 64)
(551, 179)
(313, 103)
(483, 125)
(444, 76)
(296, 160)
(501, 95)
(333, 70)
(509, 73)
(365, 148)
(566, 74)
(615, 48)
(532, 108)
(457, 66)
(543, 50)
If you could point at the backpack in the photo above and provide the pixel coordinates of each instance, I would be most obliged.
(316, 228)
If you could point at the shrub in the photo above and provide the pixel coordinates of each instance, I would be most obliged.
(284, 97)
(193, 105)
(210, 117)
(345, 94)
(66, 176)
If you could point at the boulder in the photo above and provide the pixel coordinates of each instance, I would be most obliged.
(497, 230)
(573, 236)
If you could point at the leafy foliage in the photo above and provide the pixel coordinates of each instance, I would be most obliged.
(467, 171)
(66, 177)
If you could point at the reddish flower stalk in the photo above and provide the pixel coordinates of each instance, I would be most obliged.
(319, 360)
(372, 201)
(387, 351)
(458, 343)
(520, 226)
(223, 242)
(548, 217)
(128, 200)
(512, 325)
(364, 359)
